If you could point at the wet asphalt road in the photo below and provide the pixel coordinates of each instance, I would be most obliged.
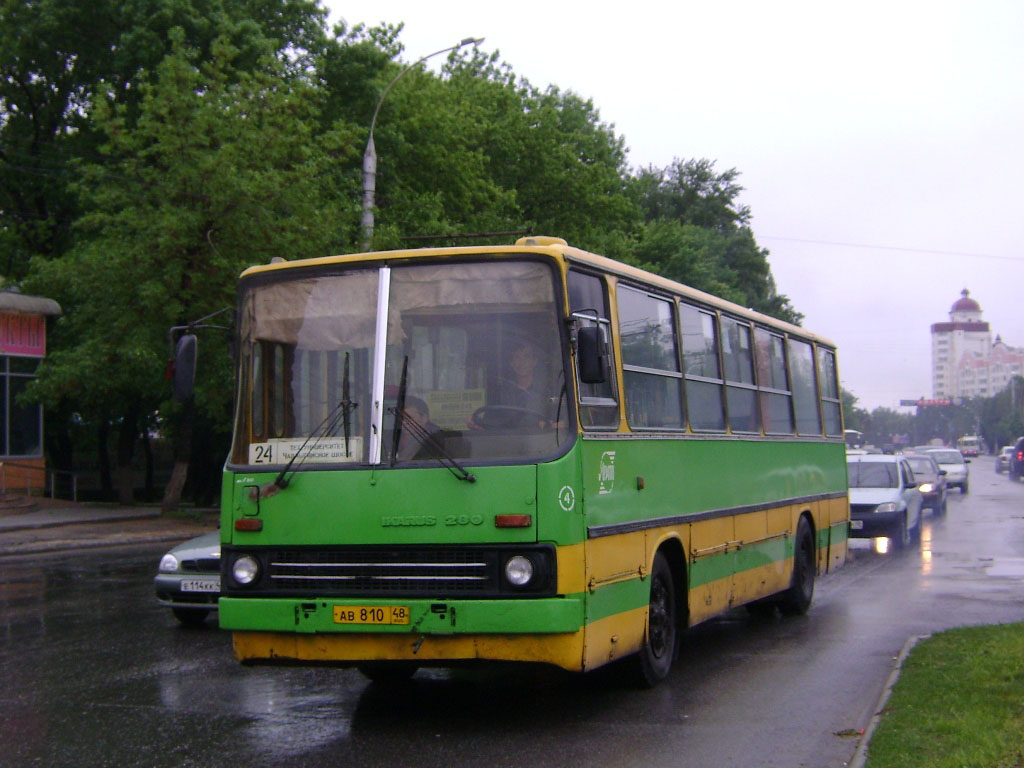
(94, 673)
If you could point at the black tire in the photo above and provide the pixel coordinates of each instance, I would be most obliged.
(190, 617)
(900, 534)
(796, 600)
(963, 489)
(661, 639)
(940, 511)
(388, 672)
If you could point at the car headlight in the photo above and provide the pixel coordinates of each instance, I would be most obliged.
(927, 487)
(245, 570)
(889, 506)
(519, 570)
(168, 563)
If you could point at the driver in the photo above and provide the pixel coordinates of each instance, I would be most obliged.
(522, 388)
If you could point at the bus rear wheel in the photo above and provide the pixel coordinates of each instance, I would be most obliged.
(661, 642)
(797, 599)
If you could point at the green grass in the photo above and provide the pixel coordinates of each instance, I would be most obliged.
(959, 703)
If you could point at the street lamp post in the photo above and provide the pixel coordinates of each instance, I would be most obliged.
(370, 155)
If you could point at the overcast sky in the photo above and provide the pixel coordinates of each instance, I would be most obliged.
(879, 143)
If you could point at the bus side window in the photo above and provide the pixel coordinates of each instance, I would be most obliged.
(831, 405)
(588, 304)
(703, 372)
(650, 361)
(776, 398)
(805, 390)
(740, 387)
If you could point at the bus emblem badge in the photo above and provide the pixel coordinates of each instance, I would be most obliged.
(606, 472)
(567, 498)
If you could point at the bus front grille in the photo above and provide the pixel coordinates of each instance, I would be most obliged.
(384, 572)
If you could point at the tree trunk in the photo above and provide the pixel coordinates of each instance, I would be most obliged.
(147, 448)
(126, 437)
(103, 455)
(182, 452)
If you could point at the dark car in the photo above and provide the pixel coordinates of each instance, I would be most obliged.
(188, 579)
(931, 482)
(1016, 468)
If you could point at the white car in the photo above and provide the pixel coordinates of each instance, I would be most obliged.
(951, 460)
(884, 498)
(1003, 459)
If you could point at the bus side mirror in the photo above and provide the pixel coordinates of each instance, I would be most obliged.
(184, 378)
(592, 355)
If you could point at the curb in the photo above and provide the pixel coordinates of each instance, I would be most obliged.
(36, 521)
(861, 755)
(66, 545)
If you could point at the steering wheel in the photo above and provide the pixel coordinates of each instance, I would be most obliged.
(507, 417)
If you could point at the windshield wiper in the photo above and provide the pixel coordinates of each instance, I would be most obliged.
(340, 412)
(426, 440)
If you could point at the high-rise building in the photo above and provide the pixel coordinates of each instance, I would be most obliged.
(965, 360)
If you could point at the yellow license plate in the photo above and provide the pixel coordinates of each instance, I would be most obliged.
(371, 614)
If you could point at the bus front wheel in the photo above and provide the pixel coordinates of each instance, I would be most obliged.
(655, 658)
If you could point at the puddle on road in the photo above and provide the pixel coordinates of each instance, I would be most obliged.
(1006, 567)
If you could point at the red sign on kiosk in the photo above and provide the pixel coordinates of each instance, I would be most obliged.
(22, 334)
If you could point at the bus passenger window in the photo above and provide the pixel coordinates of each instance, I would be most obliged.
(703, 377)
(773, 383)
(805, 390)
(831, 405)
(740, 387)
(650, 362)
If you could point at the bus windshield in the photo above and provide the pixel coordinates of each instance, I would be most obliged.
(472, 351)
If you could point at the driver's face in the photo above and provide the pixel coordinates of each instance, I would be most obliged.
(523, 360)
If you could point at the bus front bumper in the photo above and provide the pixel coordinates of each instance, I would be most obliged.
(283, 631)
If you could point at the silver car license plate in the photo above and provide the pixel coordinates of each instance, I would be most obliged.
(856, 525)
(200, 585)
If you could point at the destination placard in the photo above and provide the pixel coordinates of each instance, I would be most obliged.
(326, 450)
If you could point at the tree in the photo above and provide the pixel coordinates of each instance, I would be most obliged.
(696, 232)
(219, 172)
(56, 56)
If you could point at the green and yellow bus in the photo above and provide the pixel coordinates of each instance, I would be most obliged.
(523, 453)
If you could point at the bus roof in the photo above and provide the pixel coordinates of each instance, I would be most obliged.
(558, 248)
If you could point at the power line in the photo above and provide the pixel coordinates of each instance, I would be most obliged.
(892, 248)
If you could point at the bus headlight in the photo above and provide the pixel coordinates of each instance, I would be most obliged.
(245, 570)
(518, 570)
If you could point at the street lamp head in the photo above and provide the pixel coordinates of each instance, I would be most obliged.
(471, 40)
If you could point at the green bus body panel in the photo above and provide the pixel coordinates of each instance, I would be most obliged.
(385, 506)
(599, 482)
(426, 617)
(699, 475)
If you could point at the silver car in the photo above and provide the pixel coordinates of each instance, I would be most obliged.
(1003, 459)
(188, 579)
(951, 460)
(884, 498)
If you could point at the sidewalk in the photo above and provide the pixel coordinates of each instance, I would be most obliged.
(60, 525)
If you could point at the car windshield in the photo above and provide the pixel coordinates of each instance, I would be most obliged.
(921, 464)
(870, 474)
(948, 457)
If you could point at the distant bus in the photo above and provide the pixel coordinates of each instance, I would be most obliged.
(854, 439)
(969, 445)
(521, 453)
